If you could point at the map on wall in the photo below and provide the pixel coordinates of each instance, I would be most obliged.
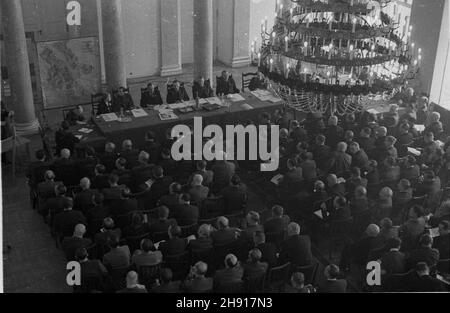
(69, 71)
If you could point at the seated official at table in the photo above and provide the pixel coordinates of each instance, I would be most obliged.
(151, 96)
(105, 105)
(258, 82)
(202, 89)
(65, 139)
(122, 100)
(75, 116)
(176, 93)
(226, 84)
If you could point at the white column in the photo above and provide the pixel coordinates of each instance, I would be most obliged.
(170, 38)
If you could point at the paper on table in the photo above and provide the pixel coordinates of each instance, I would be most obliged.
(110, 117)
(414, 151)
(139, 113)
(419, 128)
(214, 100)
(246, 106)
(167, 116)
(236, 97)
(434, 232)
(319, 214)
(85, 130)
(277, 179)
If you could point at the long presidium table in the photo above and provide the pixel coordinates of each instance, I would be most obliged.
(240, 108)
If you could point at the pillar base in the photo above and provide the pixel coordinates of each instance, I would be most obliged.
(171, 70)
(239, 62)
(25, 129)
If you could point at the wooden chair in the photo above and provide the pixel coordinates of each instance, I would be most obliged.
(118, 276)
(134, 242)
(339, 232)
(95, 100)
(12, 143)
(233, 288)
(179, 264)
(148, 274)
(278, 277)
(255, 284)
(246, 81)
(275, 237)
(308, 271)
(189, 230)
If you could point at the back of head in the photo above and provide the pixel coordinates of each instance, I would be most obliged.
(293, 229)
(201, 165)
(332, 271)
(108, 223)
(85, 183)
(114, 241)
(175, 188)
(143, 157)
(254, 255)
(201, 268)
(79, 230)
(204, 231)
(49, 175)
(127, 145)
(426, 240)
(333, 121)
(231, 261)
(60, 190)
(68, 203)
(259, 237)
(174, 231)
(298, 280)
(222, 222)
(185, 198)
(277, 211)
(341, 147)
(197, 180)
(100, 169)
(422, 268)
(132, 278)
(163, 212)
(81, 254)
(110, 147)
(235, 180)
(158, 171)
(40, 154)
(372, 230)
(147, 245)
(252, 217)
(394, 243)
(65, 154)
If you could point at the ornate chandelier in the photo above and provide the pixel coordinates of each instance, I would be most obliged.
(336, 56)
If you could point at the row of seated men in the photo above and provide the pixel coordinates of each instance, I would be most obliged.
(176, 92)
(359, 171)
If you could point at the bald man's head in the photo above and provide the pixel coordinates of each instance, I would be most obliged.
(85, 183)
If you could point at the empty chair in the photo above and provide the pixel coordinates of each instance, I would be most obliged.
(255, 284)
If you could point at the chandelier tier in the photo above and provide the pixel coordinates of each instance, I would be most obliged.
(336, 56)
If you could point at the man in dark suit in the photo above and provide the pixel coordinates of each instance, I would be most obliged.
(334, 133)
(202, 89)
(207, 175)
(197, 282)
(101, 179)
(122, 100)
(359, 156)
(152, 147)
(223, 172)
(158, 188)
(71, 244)
(171, 199)
(234, 195)
(66, 221)
(278, 222)
(36, 170)
(97, 210)
(107, 233)
(65, 168)
(254, 267)
(151, 96)
(224, 234)
(163, 222)
(425, 253)
(129, 153)
(176, 93)
(185, 213)
(105, 105)
(109, 157)
(333, 284)
(321, 152)
(226, 85)
(394, 261)
(442, 242)
(55, 205)
(46, 189)
(366, 142)
(258, 82)
(421, 281)
(83, 199)
(341, 161)
(65, 139)
(122, 172)
(119, 255)
(142, 172)
(268, 250)
(90, 268)
(198, 192)
(232, 273)
(296, 248)
(175, 245)
(114, 192)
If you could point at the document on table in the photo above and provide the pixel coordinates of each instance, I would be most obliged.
(85, 130)
(236, 97)
(110, 117)
(434, 232)
(139, 113)
(414, 151)
(167, 116)
(214, 100)
(246, 106)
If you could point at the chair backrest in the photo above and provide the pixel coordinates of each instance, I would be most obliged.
(220, 251)
(275, 237)
(235, 219)
(179, 264)
(189, 230)
(237, 287)
(148, 274)
(118, 276)
(280, 274)
(159, 236)
(255, 284)
(246, 78)
(95, 100)
(308, 271)
(202, 255)
(90, 284)
(134, 242)
(397, 282)
(212, 207)
(122, 221)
